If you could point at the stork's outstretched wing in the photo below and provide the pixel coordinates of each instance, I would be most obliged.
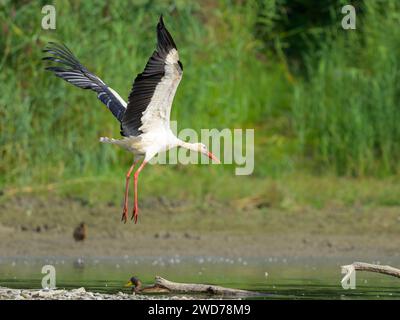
(74, 72)
(149, 103)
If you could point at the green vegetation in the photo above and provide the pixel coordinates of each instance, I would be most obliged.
(347, 115)
(322, 100)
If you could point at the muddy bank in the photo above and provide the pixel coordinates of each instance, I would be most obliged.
(34, 226)
(14, 243)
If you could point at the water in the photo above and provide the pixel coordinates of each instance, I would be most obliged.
(277, 278)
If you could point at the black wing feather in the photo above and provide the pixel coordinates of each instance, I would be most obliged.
(146, 82)
(72, 71)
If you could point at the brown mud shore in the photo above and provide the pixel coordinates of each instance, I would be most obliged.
(33, 226)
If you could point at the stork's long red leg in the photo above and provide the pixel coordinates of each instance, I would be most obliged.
(136, 177)
(128, 175)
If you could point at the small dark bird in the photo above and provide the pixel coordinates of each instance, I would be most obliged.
(137, 287)
(135, 283)
(80, 232)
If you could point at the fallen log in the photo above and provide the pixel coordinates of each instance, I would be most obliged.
(162, 285)
(363, 266)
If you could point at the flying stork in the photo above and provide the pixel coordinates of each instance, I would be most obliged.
(144, 120)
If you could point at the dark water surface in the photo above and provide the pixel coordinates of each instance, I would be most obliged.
(278, 278)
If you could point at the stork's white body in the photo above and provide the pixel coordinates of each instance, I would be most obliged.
(144, 145)
(156, 133)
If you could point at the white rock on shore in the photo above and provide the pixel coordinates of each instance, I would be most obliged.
(74, 294)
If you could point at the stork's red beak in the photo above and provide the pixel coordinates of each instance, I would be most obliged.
(211, 156)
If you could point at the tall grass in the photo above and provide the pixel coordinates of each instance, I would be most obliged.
(347, 116)
(342, 115)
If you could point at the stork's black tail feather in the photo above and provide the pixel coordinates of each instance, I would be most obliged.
(71, 70)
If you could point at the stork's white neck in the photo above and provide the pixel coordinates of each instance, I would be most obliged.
(188, 145)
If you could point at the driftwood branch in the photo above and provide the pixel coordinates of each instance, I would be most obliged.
(162, 285)
(362, 266)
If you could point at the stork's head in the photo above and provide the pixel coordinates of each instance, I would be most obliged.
(202, 148)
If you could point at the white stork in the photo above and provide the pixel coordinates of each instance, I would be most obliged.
(145, 118)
